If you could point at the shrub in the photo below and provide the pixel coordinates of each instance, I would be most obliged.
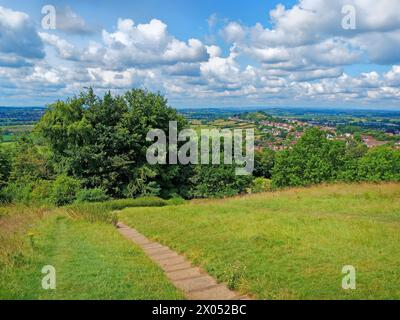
(6, 196)
(64, 190)
(27, 192)
(260, 185)
(141, 184)
(17, 192)
(380, 164)
(176, 201)
(264, 163)
(5, 167)
(41, 191)
(30, 162)
(92, 195)
(314, 159)
(218, 181)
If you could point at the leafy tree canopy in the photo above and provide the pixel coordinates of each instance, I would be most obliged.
(314, 159)
(102, 141)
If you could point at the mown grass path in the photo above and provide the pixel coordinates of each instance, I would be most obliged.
(194, 282)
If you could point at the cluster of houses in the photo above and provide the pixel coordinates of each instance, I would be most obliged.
(290, 128)
(371, 142)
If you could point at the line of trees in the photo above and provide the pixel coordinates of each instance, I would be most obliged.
(92, 149)
(315, 159)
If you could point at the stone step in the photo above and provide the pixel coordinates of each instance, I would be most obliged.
(193, 281)
(184, 274)
(219, 292)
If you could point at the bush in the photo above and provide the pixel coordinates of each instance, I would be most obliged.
(28, 192)
(313, 160)
(41, 191)
(176, 201)
(380, 164)
(6, 195)
(17, 192)
(64, 190)
(5, 167)
(218, 181)
(264, 163)
(30, 162)
(260, 185)
(92, 195)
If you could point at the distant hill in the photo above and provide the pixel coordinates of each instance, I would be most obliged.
(11, 116)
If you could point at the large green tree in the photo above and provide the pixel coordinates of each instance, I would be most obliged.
(102, 141)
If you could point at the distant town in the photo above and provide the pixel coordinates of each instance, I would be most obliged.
(281, 135)
(281, 129)
(275, 128)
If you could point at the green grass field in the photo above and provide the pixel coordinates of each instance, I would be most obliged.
(11, 133)
(290, 244)
(92, 261)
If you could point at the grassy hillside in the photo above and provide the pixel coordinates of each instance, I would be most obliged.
(92, 260)
(290, 244)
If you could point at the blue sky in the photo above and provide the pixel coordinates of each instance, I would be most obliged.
(204, 53)
(184, 17)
